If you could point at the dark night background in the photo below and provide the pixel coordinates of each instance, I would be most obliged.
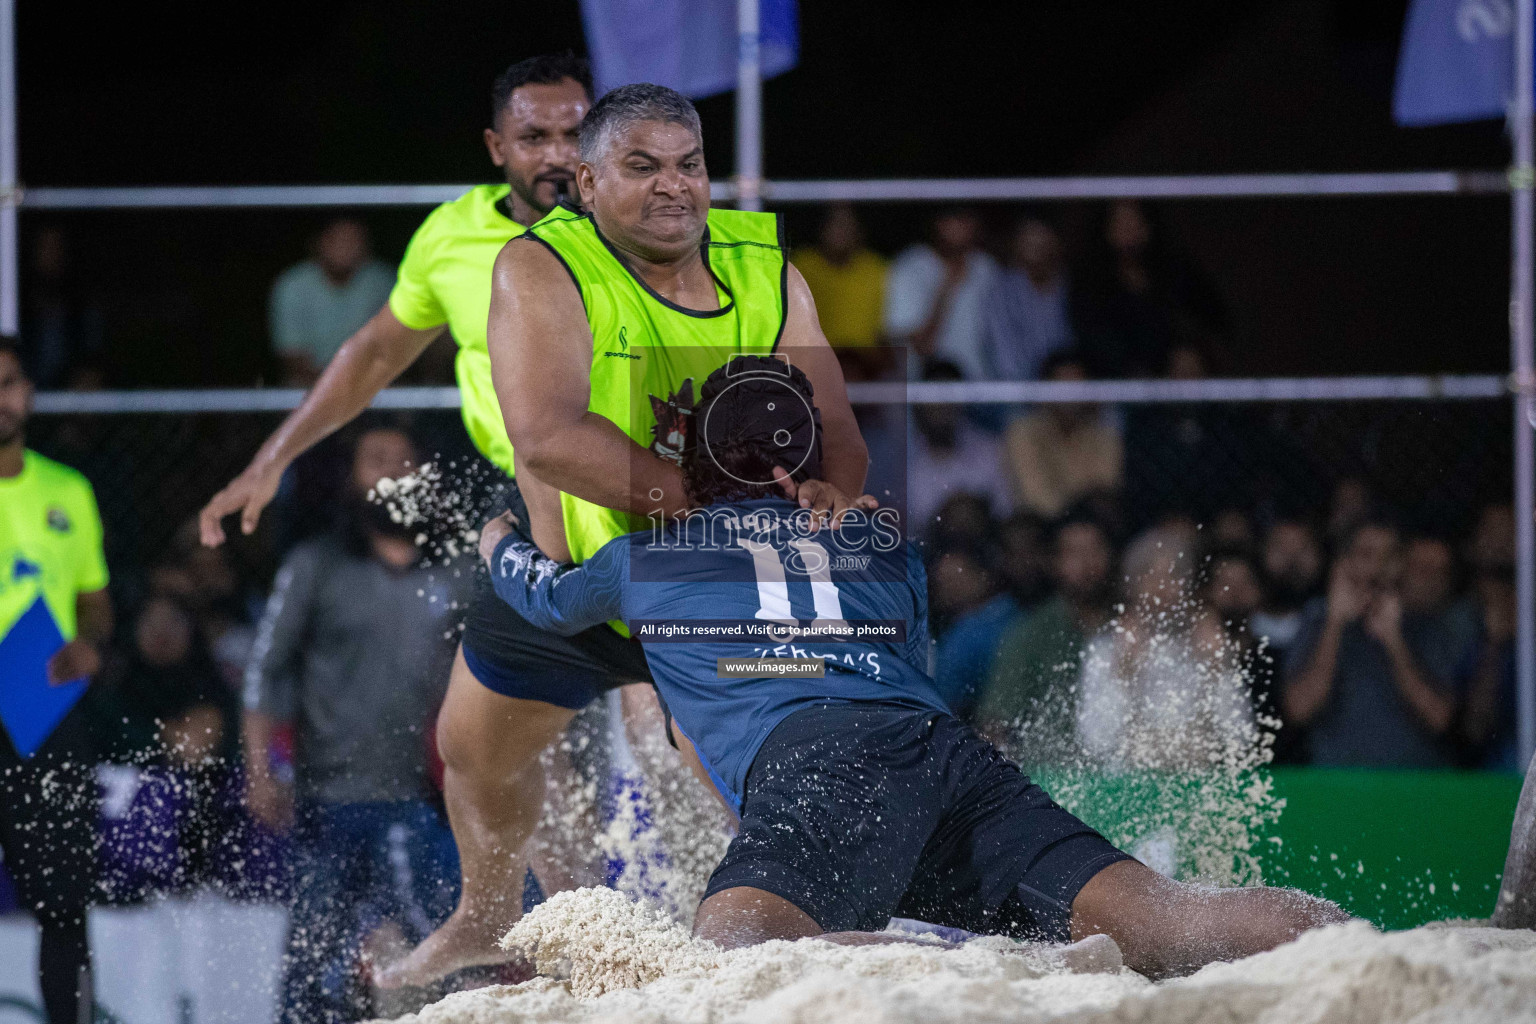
(368, 92)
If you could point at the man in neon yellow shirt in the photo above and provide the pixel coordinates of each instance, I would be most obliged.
(444, 282)
(53, 578)
(602, 325)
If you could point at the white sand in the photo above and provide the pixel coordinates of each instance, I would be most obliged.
(622, 962)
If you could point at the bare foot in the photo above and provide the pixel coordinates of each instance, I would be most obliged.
(464, 940)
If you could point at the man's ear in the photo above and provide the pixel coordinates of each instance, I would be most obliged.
(493, 146)
(586, 183)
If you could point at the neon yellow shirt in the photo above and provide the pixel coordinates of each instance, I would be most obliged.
(50, 542)
(849, 297)
(649, 355)
(445, 278)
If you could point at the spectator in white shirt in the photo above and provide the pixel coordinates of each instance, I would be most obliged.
(936, 296)
(948, 455)
(1026, 311)
(319, 303)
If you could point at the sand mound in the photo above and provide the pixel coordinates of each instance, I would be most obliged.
(618, 961)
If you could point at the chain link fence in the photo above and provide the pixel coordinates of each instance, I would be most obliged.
(1436, 463)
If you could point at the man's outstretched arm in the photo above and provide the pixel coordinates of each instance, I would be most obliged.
(559, 599)
(377, 354)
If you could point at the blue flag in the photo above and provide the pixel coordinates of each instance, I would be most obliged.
(689, 45)
(1457, 62)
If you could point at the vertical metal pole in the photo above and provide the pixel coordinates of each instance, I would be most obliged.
(1520, 314)
(749, 107)
(10, 302)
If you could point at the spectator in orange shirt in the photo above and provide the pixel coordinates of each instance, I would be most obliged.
(847, 280)
(1062, 452)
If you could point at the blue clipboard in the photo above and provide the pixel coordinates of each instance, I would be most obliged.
(31, 709)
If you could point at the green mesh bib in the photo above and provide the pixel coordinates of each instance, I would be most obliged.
(650, 356)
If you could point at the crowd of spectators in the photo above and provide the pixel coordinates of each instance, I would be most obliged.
(1356, 639)
(1374, 642)
(1126, 588)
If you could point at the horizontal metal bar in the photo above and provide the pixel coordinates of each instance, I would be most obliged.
(198, 197)
(1144, 392)
(1126, 392)
(224, 400)
(1186, 186)
(1189, 186)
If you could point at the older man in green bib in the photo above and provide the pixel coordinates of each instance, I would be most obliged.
(602, 326)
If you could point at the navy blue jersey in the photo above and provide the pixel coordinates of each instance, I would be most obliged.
(725, 584)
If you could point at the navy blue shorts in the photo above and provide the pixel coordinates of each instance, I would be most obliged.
(857, 813)
(513, 657)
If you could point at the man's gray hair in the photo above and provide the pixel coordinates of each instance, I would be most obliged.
(629, 105)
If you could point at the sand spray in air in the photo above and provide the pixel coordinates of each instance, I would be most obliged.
(1156, 742)
(1154, 738)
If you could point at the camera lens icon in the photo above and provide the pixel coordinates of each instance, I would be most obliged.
(762, 386)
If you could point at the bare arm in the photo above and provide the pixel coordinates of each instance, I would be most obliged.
(81, 657)
(1309, 689)
(1428, 701)
(844, 456)
(1433, 708)
(377, 354)
(541, 359)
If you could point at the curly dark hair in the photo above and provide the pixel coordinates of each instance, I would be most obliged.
(725, 466)
(719, 473)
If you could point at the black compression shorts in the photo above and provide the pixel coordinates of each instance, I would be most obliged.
(509, 655)
(857, 813)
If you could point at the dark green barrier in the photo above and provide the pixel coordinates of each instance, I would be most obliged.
(1396, 847)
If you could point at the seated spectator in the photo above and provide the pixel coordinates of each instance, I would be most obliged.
(1429, 586)
(62, 326)
(1232, 529)
(1199, 458)
(1060, 452)
(1029, 705)
(1292, 570)
(319, 303)
(1235, 592)
(1026, 311)
(1137, 298)
(1492, 544)
(1372, 685)
(1348, 506)
(167, 702)
(847, 280)
(353, 650)
(967, 599)
(1487, 726)
(948, 455)
(936, 294)
(1024, 559)
(1486, 729)
(1164, 690)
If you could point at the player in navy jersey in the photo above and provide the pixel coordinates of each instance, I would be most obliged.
(860, 796)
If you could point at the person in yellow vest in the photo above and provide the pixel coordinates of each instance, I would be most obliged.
(603, 326)
(444, 283)
(54, 615)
